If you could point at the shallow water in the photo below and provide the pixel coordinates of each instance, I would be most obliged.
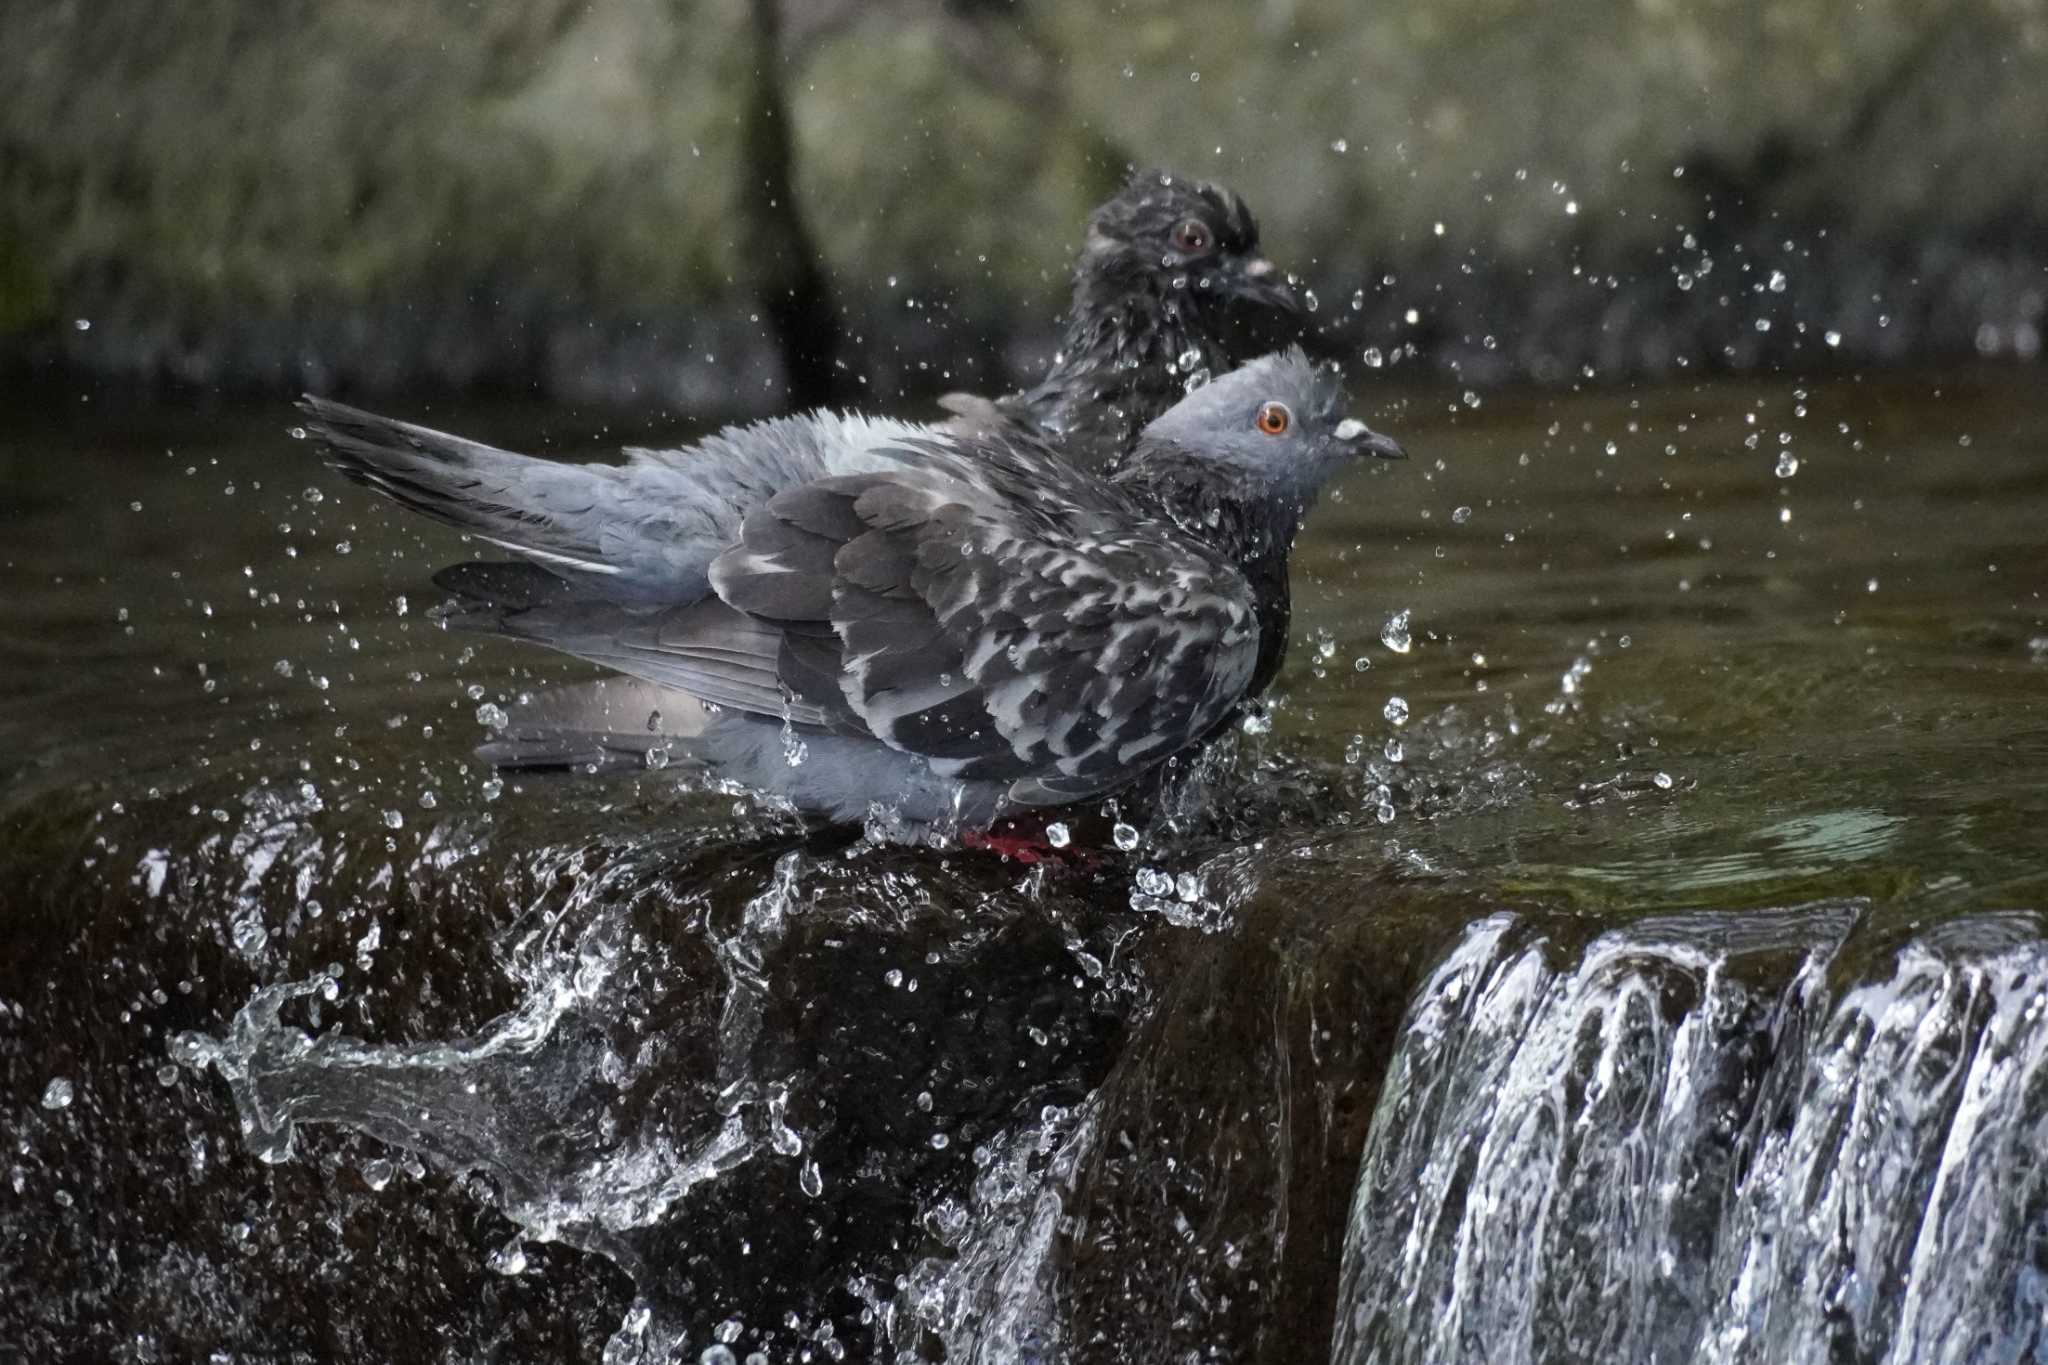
(1713, 774)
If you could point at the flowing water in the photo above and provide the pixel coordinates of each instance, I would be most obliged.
(1619, 940)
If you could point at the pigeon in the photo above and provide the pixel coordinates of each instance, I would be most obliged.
(862, 616)
(1170, 284)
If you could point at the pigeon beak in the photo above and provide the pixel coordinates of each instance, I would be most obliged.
(1261, 282)
(1363, 440)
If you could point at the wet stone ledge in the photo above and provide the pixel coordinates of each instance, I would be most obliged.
(747, 1086)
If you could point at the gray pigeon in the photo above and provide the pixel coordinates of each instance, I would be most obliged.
(1169, 281)
(849, 612)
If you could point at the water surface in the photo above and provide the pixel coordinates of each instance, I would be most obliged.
(556, 1063)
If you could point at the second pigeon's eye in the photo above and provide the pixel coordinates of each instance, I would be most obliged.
(1274, 418)
(1191, 235)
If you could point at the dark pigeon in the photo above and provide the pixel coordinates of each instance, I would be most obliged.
(852, 613)
(1170, 282)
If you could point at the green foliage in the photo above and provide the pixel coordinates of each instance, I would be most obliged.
(198, 164)
(915, 164)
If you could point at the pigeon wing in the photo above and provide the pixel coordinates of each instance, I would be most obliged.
(992, 611)
(640, 533)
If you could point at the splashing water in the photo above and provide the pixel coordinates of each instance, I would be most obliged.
(1395, 634)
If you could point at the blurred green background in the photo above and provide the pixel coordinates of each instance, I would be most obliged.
(665, 202)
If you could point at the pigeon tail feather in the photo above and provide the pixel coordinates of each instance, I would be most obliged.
(492, 494)
(605, 725)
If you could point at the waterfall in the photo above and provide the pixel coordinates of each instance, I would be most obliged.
(1717, 1138)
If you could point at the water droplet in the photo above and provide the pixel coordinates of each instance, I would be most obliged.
(1361, 664)
(1788, 464)
(394, 820)
(1663, 781)
(493, 788)
(509, 1259)
(656, 758)
(1777, 282)
(1395, 633)
(1058, 835)
(1373, 358)
(297, 433)
(82, 324)
(1340, 146)
(491, 716)
(1832, 338)
(247, 930)
(57, 1094)
(811, 1179)
(1123, 836)
(1256, 722)
(1461, 515)
(1396, 711)
(717, 1354)
(377, 1173)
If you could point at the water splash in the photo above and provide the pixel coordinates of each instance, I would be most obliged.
(1396, 633)
(535, 1100)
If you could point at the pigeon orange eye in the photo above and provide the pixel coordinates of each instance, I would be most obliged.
(1274, 418)
(1191, 235)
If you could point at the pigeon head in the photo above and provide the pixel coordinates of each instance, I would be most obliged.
(1273, 429)
(1186, 235)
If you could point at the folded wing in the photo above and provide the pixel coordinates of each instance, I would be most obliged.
(1061, 645)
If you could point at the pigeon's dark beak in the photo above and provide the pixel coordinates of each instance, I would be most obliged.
(1360, 439)
(1259, 282)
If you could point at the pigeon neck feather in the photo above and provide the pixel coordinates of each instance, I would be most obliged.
(1238, 517)
(1123, 345)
